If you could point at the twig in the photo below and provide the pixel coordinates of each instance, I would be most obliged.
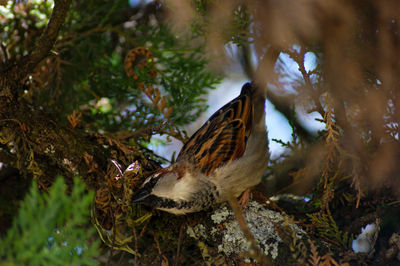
(4, 50)
(163, 259)
(136, 244)
(144, 229)
(157, 244)
(121, 257)
(300, 59)
(113, 237)
(266, 64)
(141, 131)
(21, 125)
(180, 239)
(256, 251)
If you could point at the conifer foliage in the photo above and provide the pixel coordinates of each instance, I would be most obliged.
(85, 85)
(49, 229)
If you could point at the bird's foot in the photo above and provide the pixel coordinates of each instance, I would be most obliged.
(245, 198)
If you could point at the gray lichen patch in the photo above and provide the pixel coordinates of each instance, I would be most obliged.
(226, 233)
(198, 231)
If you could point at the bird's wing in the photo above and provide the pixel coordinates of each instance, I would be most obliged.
(223, 137)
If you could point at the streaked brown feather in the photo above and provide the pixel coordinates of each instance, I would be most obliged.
(223, 137)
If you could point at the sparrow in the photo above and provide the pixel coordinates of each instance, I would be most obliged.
(225, 157)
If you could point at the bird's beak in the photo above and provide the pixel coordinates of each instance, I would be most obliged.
(140, 195)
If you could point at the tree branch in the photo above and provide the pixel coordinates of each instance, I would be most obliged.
(16, 72)
(255, 249)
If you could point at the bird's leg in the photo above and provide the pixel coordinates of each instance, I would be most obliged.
(245, 198)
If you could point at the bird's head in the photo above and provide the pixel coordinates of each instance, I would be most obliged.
(161, 184)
